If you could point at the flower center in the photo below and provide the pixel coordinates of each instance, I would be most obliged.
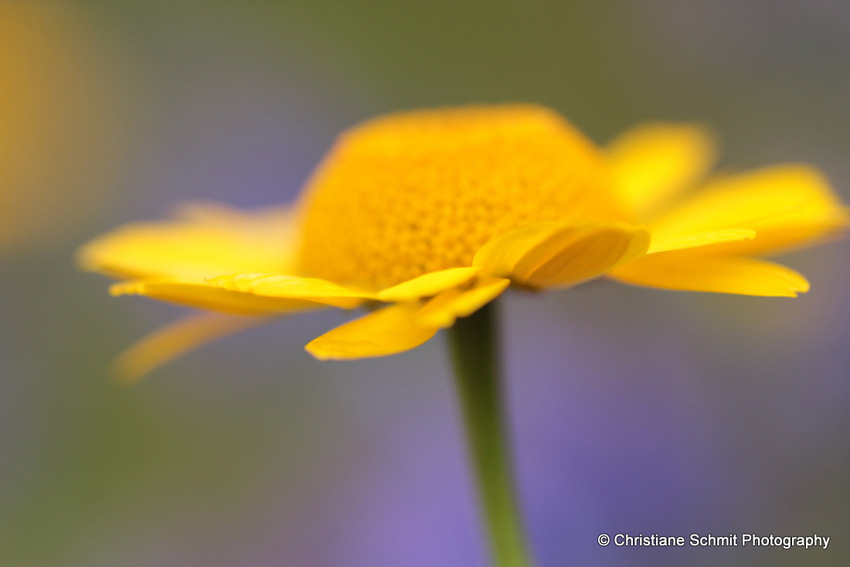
(416, 192)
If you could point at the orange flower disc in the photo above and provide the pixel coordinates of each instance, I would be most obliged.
(417, 192)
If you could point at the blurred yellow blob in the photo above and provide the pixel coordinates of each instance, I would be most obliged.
(59, 136)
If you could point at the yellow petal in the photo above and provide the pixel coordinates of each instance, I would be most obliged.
(445, 308)
(387, 331)
(721, 274)
(205, 296)
(499, 256)
(654, 162)
(177, 339)
(292, 287)
(203, 241)
(427, 285)
(788, 206)
(557, 255)
(699, 240)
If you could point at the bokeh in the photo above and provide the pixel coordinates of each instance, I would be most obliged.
(633, 410)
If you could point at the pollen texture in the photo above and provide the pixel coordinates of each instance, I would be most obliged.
(416, 192)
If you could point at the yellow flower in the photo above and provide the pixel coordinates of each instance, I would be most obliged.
(424, 217)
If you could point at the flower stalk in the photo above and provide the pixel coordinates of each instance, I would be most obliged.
(473, 343)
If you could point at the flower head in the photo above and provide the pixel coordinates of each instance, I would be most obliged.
(426, 216)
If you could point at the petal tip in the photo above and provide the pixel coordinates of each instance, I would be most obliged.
(317, 352)
(127, 288)
(323, 349)
(124, 374)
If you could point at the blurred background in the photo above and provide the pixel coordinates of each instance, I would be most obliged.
(633, 410)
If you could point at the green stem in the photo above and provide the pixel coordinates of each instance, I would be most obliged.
(474, 353)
